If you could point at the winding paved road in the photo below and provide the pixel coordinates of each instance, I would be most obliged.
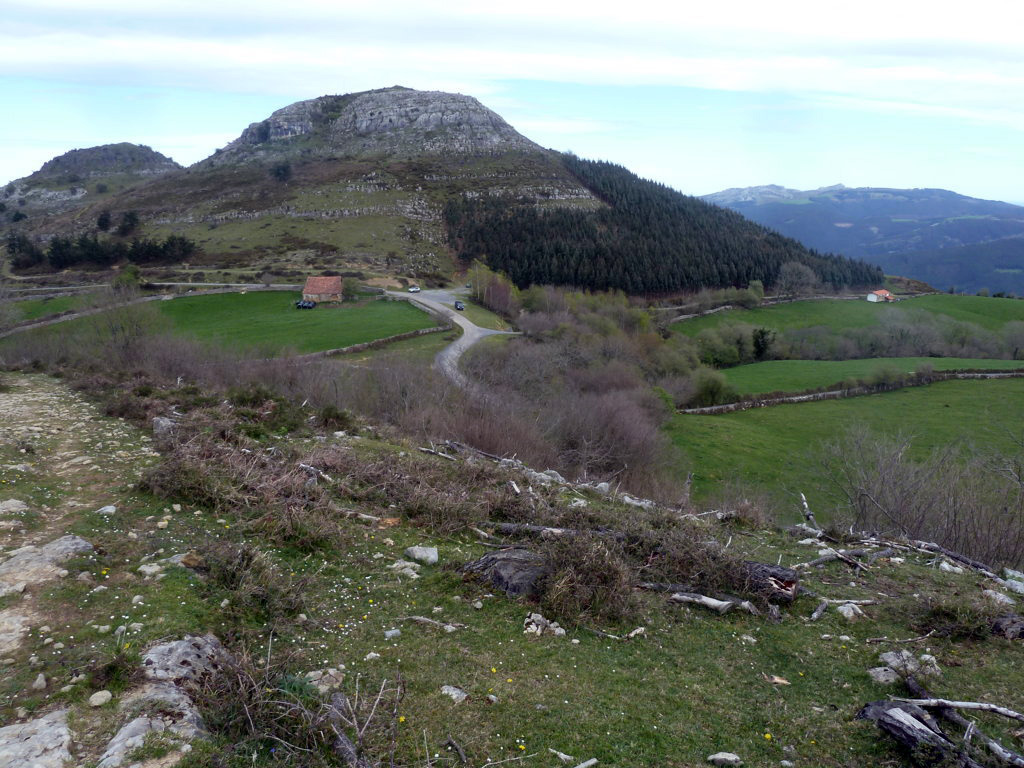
(447, 360)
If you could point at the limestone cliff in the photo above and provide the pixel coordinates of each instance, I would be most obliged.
(398, 122)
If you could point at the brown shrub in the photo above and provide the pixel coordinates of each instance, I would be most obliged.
(252, 582)
(589, 578)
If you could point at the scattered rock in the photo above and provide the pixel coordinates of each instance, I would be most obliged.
(162, 524)
(884, 675)
(554, 476)
(327, 680)
(150, 569)
(39, 684)
(34, 565)
(948, 567)
(478, 604)
(100, 698)
(13, 507)
(371, 656)
(39, 743)
(13, 628)
(107, 510)
(405, 568)
(725, 758)
(904, 663)
(184, 659)
(535, 624)
(1014, 586)
(604, 488)
(425, 555)
(162, 426)
(457, 694)
(391, 634)
(998, 597)
(137, 600)
(850, 611)
(1012, 574)
(632, 501)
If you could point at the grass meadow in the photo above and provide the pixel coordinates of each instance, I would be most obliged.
(778, 449)
(798, 375)
(268, 321)
(840, 315)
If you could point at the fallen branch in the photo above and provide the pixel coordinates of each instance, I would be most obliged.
(437, 453)
(847, 556)
(820, 610)
(980, 705)
(358, 515)
(900, 642)
(458, 749)
(588, 763)
(1007, 756)
(977, 565)
(720, 606)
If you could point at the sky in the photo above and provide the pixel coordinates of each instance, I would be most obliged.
(702, 97)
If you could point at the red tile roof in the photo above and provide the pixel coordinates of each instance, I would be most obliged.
(322, 285)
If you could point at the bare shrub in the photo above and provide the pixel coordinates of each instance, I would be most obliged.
(265, 709)
(951, 616)
(254, 584)
(588, 578)
(966, 500)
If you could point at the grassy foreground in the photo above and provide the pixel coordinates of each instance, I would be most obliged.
(798, 375)
(841, 315)
(268, 321)
(777, 448)
(693, 684)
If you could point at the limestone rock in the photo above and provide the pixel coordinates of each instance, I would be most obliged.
(425, 555)
(100, 698)
(39, 743)
(999, 598)
(39, 684)
(1014, 586)
(185, 659)
(13, 628)
(904, 663)
(850, 611)
(13, 507)
(457, 694)
(33, 565)
(405, 568)
(725, 758)
(162, 426)
(536, 624)
(884, 675)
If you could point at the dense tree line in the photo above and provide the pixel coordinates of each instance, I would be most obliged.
(647, 239)
(90, 251)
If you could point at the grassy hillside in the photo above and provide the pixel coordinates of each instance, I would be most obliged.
(777, 448)
(798, 375)
(839, 315)
(33, 309)
(694, 683)
(268, 321)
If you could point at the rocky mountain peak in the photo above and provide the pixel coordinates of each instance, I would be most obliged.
(106, 160)
(393, 121)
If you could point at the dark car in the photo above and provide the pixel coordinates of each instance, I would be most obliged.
(459, 306)
(305, 304)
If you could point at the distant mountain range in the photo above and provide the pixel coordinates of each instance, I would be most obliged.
(395, 182)
(940, 237)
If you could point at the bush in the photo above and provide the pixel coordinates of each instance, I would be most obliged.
(251, 581)
(589, 578)
(952, 617)
(710, 388)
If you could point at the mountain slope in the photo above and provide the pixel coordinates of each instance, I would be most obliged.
(81, 177)
(359, 184)
(905, 230)
(647, 238)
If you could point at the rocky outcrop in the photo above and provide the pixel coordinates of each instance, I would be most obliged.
(391, 121)
(33, 565)
(105, 160)
(39, 743)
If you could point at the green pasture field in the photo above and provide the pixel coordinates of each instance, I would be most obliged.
(268, 321)
(778, 448)
(839, 315)
(33, 309)
(799, 375)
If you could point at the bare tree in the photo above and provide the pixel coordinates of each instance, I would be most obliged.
(795, 279)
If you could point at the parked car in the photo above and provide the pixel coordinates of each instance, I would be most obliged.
(305, 304)
(459, 306)
(414, 289)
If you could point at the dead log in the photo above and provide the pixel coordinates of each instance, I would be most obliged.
(342, 745)
(1009, 757)
(917, 731)
(846, 555)
(983, 706)
(720, 606)
(820, 610)
(773, 582)
(516, 572)
(1010, 626)
(977, 565)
